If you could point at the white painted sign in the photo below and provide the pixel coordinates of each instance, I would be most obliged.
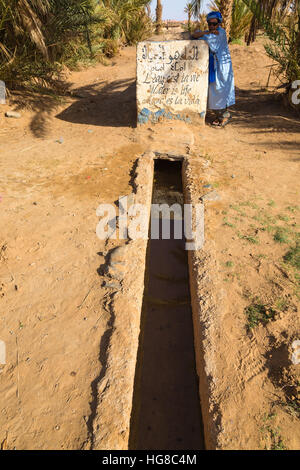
(172, 80)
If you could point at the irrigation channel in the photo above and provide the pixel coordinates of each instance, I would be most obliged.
(166, 407)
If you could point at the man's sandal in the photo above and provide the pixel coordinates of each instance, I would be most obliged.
(216, 123)
(225, 121)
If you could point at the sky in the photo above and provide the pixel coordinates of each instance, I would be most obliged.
(174, 9)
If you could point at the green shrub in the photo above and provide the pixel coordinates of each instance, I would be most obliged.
(292, 257)
(259, 314)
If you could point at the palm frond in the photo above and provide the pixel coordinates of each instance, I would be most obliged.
(285, 37)
(38, 36)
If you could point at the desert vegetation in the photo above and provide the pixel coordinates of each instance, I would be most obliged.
(38, 38)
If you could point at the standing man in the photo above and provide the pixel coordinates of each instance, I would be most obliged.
(221, 93)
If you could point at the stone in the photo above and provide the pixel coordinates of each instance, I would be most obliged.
(116, 274)
(117, 255)
(172, 81)
(296, 352)
(212, 196)
(13, 114)
(112, 285)
(167, 197)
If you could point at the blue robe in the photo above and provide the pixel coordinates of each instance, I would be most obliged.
(221, 92)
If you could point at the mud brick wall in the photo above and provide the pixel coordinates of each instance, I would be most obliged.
(172, 81)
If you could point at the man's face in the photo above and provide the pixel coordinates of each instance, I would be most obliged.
(213, 24)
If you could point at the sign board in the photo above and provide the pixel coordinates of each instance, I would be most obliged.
(172, 80)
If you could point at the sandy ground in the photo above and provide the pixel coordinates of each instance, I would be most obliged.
(57, 164)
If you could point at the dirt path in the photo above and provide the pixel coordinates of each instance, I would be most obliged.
(57, 164)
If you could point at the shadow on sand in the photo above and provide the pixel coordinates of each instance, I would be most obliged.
(110, 105)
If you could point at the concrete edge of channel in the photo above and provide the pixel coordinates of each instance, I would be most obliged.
(205, 308)
(115, 387)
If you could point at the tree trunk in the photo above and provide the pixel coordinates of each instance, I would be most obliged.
(251, 36)
(226, 11)
(158, 17)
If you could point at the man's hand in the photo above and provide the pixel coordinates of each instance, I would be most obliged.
(198, 34)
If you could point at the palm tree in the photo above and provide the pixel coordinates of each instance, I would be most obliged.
(277, 10)
(27, 18)
(241, 18)
(159, 10)
(284, 47)
(196, 7)
(226, 11)
(189, 10)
